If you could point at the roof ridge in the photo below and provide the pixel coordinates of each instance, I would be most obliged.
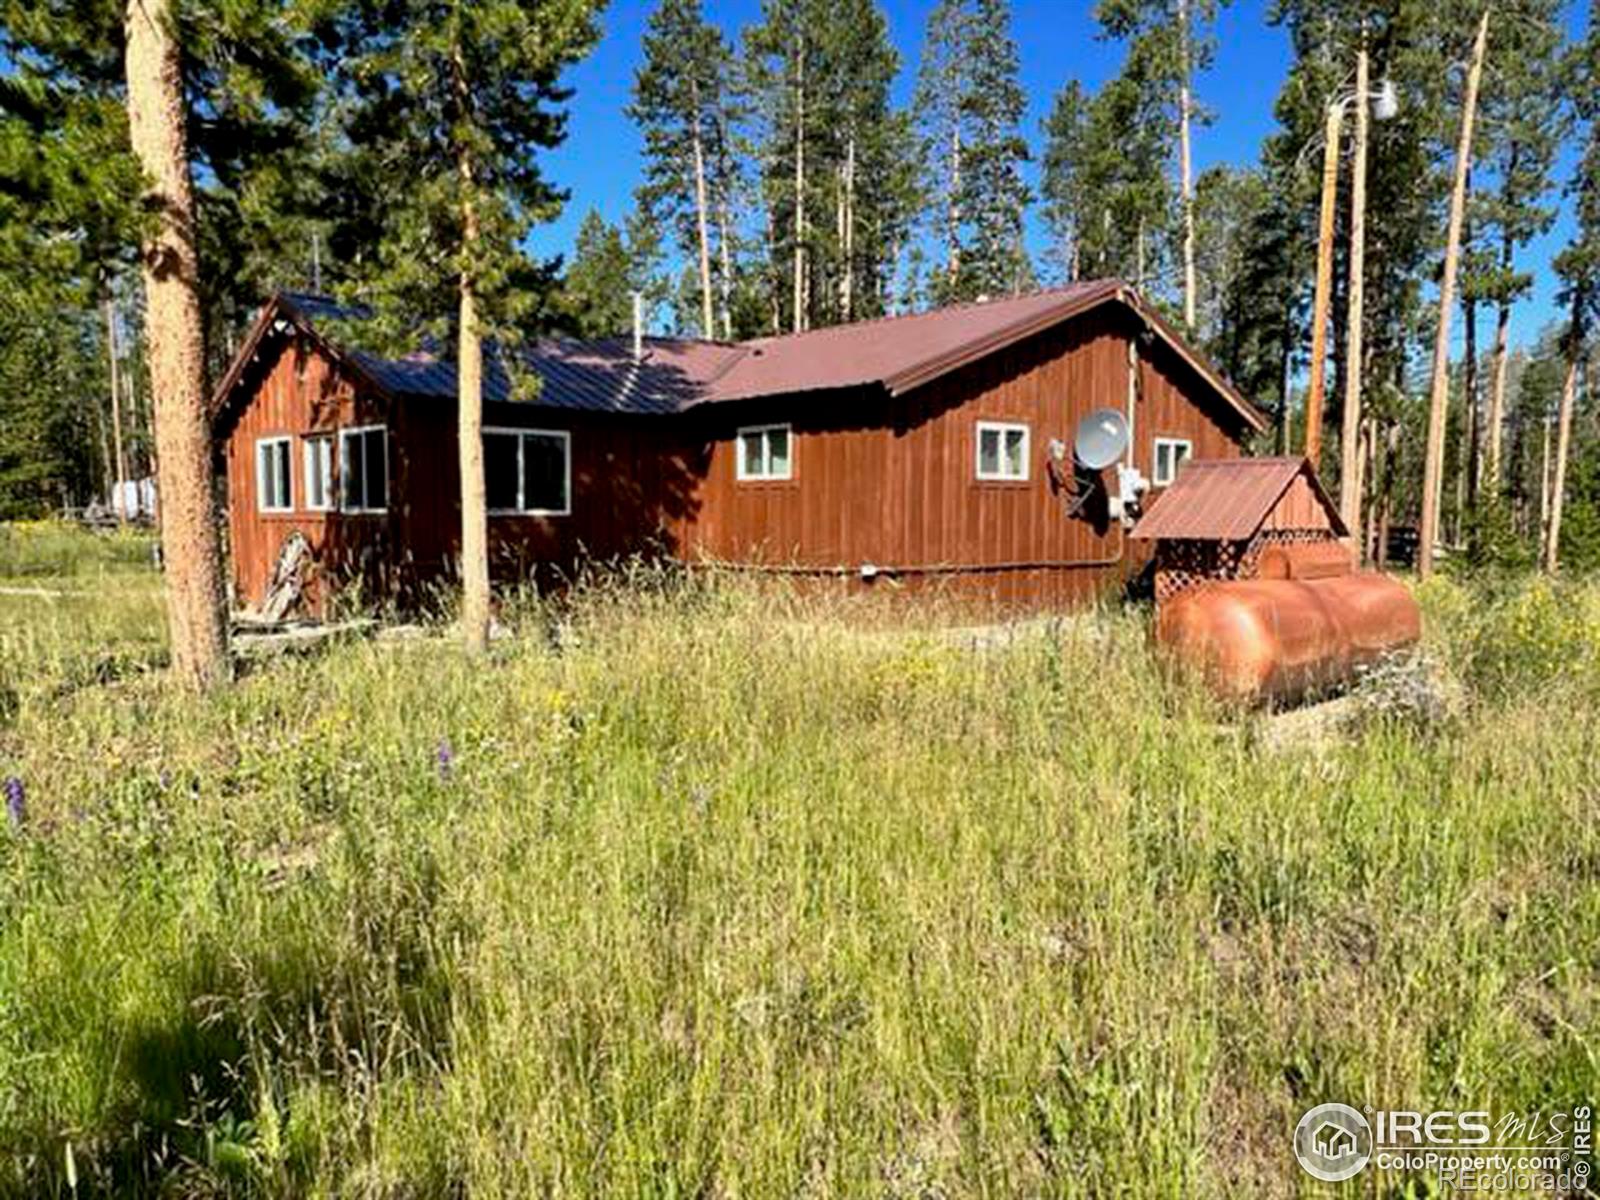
(1078, 287)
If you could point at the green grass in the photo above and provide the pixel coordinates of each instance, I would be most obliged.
(729, 893)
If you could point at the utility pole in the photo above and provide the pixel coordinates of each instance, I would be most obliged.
(1439, 397)
(1350, 432)
(1319, 307)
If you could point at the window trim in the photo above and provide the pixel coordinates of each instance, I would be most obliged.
(345, 434)
(1155, 459)
(739, 434)
(565, 435)
(308, 445)
(1002, 428)
(277, 439)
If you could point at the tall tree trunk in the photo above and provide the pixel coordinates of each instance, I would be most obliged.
(175, 340)
(119, 503)
(1497, 382)
(799, 321)
(1286, 390)
(1471, 460)
(954, 216)
(1558, 485)
(707, 328)
(1544, 484)
(1439, 392)
(1350, 430)
(1185, 166)
(725, 249)
(1372, 457)
(469, 403)
(108, 470)
(848, 232)
(724, 234)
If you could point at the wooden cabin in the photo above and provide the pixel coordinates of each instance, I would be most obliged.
(917, 449)
(1243, 518)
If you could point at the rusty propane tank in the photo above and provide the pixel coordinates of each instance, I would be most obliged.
(1277, 639)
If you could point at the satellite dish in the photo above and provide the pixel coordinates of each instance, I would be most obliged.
(1101, 438)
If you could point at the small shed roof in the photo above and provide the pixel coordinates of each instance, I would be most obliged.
(1228, 499)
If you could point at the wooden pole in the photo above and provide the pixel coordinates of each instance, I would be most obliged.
(1319, 307)
(1350, 432)
(1439, 397)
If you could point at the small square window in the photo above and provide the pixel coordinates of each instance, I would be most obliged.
(317, 453)
(274, 486)
(364, 469)
(1170, 454)
(1002, 451)
(765, 452)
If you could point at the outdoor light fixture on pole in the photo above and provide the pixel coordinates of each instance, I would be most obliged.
(1384, 105)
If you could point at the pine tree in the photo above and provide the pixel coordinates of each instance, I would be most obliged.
(597, 293)
(968, 109)
(455, 114)
(1061, 187)
(1172, 39)
(1104, 177)
(865, 174)
(1524, 125)
(1578, 266)
(149, 134)
(684, 101)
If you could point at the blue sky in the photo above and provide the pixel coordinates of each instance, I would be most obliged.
(599, 162)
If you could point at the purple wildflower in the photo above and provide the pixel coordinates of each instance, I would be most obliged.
(16, 801)
(445, 757)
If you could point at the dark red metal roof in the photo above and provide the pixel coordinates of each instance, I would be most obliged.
(1227, 499)
(896, 353)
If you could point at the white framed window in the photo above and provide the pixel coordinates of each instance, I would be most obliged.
(364, 469)
(316, 455)
(274, 485)
(1002, 451)
(765, 452)
(1169, 455)
(528, 471)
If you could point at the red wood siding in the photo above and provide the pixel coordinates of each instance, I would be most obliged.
(886, 481)
(892, 482)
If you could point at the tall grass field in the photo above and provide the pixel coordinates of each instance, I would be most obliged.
(692, 890)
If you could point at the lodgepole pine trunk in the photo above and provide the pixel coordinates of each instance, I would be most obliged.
(848, 233)
(724, 245)
(799, 322)
(1439, 391)
(953, 217)
(469, 411)
(114, 366)
(176, 348)
(1185, 168)
(708, 328)
(1558, 485)
(1497, 383)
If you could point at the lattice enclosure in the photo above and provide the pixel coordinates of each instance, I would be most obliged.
(1182, 563)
